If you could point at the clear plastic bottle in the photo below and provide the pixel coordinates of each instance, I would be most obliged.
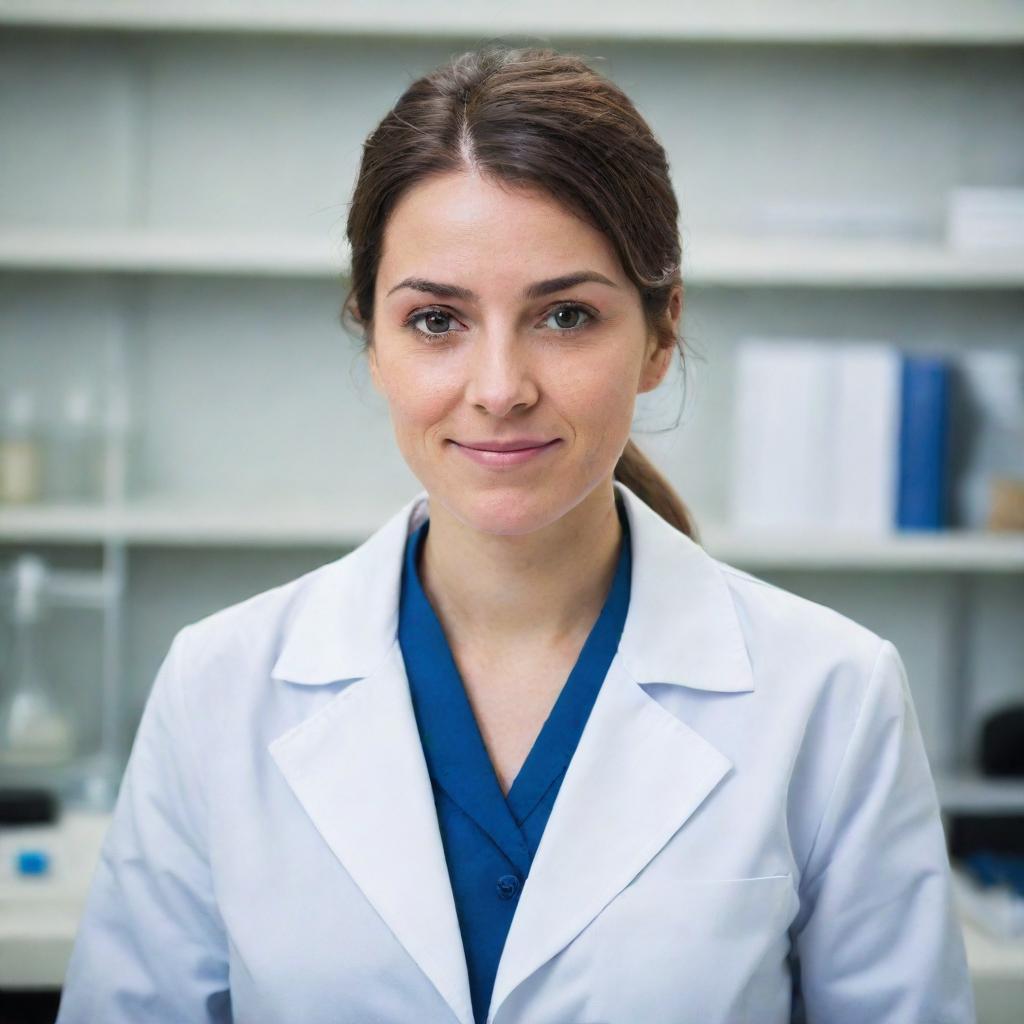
(34, 732)
(20, 449)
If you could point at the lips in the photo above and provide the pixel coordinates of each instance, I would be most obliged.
(505, 446)
(511, 453)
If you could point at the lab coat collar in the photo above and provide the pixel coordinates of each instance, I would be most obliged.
(681, 628)
(639, 772)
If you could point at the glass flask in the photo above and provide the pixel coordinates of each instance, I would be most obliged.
(34, 732)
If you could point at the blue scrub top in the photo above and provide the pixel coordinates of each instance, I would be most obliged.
(490, 840)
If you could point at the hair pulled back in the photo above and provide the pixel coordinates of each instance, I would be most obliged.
(532, 117)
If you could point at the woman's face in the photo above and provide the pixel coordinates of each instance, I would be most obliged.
(481, 338)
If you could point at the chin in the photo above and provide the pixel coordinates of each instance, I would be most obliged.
(503, 510)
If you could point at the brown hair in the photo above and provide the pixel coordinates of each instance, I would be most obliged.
(533, 116)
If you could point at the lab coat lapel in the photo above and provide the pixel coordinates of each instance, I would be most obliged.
(357, 766)
(639, 772)
(637, 775)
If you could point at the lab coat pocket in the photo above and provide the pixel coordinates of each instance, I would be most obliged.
(713, 950)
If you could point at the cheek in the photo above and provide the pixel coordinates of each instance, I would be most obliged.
(419, 392)
(419, 409)
(599, 398)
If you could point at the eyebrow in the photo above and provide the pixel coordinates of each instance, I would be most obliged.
(533, 291)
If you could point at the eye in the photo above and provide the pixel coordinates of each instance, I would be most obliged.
(431, 316)
(573, 310)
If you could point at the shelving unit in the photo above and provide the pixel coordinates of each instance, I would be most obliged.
(172, 202)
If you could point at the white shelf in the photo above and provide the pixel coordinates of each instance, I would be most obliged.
(969, 793)
(260, 521)
(995, 22)
(729, 261)
(959, 550)
(254, 523)
(754, 261)
(128, 251)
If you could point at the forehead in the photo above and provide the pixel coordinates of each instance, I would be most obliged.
(462, 223)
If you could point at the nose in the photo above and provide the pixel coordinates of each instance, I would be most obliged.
(500, 377)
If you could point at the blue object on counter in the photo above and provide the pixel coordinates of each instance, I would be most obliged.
(33, 862)
(997, 869)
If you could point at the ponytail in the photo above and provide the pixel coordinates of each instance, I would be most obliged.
(635, 471)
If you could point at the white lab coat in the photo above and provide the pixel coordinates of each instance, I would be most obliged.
(748, 824)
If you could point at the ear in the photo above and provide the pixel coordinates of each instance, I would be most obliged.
(371, 358)
(658, 358)
(656, 365)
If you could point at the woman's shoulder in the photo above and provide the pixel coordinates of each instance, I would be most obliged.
(760, 599)
(233, 649)
(801, 647)
(326, 625)
(272, 608)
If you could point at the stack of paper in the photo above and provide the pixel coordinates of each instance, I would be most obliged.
(815, 434)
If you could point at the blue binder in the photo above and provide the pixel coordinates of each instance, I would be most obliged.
(924, 443)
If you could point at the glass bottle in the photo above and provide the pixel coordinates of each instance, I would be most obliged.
(34, 732)
(20, 454)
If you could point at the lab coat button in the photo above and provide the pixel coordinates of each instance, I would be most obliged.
(508, 886)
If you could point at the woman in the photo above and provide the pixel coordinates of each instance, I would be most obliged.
(528, 754)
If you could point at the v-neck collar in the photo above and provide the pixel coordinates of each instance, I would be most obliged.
(453, 745)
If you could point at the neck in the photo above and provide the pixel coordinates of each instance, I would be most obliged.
(544, 587)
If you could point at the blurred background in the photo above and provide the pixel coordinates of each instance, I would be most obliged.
(184, 422)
